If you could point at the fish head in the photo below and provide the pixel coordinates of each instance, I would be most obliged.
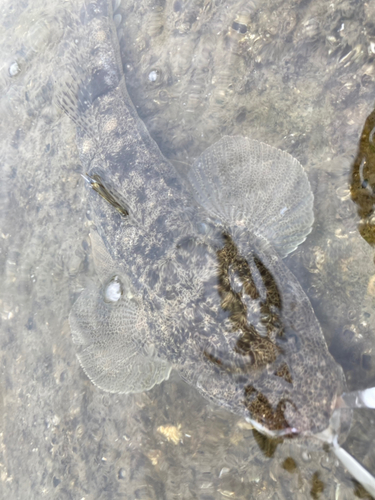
(314, 407)
(306, 404)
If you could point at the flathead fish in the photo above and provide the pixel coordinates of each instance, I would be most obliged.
(191, 271)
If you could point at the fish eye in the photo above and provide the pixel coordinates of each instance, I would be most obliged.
(292, 339)
(113, 290)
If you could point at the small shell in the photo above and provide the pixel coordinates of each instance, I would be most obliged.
(171, 432)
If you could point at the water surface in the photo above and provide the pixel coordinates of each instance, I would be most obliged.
(300, 78)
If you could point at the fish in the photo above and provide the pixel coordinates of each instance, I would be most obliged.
(192, 276)
(191, 270)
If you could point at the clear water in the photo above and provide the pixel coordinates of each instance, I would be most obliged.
(300, 78)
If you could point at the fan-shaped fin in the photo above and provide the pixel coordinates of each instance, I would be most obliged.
(245, 182)
(104, 323)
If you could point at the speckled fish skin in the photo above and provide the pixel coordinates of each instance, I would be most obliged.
(172, 251)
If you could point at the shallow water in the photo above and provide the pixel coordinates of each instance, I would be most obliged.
(301, 79)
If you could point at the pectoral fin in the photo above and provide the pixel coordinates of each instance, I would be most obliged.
(105, 326)
(245, 182)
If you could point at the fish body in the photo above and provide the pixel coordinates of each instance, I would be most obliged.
(191, 271)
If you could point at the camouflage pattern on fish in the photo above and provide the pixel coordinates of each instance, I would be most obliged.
(191, 271)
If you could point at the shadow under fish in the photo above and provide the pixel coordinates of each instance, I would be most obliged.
(191, 271)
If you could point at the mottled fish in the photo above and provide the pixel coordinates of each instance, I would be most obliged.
(191, 271)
